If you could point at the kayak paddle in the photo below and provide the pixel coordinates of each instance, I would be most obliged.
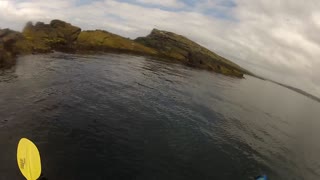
(28, 158)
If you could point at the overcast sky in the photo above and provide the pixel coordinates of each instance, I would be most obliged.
(277, 39)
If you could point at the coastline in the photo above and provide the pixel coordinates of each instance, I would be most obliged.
(64, 37)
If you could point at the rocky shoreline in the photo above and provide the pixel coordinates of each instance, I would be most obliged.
(64, 37)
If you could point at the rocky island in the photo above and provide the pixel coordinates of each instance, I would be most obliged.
(64, 37)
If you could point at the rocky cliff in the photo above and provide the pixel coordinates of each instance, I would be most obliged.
(178, 47)
(62, 36)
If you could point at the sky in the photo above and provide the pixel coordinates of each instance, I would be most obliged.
(279, 40)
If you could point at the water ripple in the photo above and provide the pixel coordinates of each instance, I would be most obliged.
(114, 116)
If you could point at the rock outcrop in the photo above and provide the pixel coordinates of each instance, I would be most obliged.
(58, 35)
(100, 40)
(188, 52)
(8, 38)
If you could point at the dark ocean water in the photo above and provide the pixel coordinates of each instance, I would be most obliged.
(127, 117)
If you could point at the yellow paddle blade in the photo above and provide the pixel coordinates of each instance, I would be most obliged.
(28, 158)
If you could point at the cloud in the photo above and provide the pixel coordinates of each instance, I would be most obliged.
(164, 3)
(278, 40)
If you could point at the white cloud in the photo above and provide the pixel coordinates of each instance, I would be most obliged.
(164, 3)
(279, 40)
